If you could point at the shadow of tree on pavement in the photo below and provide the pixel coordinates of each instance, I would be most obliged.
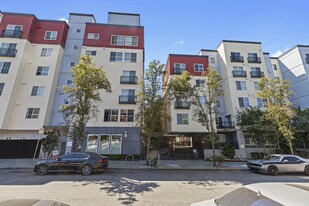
(126, 189)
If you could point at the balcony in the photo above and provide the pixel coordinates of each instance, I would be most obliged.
(178, 70)
(239, 73)
(127, 99)
(5, 52)
(254, 59)
(237, 59)
(128, 79)
(11, 33)
(182, 105)
(226, 125)
(256, 74)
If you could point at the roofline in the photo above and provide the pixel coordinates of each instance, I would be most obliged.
(294, 47)
(80, 14)
(236, 41)
(104, 24)
(188, 55)
(130, 14)
(209, 50)
(19, 14)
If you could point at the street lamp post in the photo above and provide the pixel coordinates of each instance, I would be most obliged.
(41, 131)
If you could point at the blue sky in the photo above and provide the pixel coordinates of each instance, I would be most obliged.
(185, 27)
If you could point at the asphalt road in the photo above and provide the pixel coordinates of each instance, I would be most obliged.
(131, 187)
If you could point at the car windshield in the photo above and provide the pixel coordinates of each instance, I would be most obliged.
(244, 196)
(271, 157)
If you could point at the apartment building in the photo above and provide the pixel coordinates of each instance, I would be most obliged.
(294, 65)
(31, 52)
(240, 64)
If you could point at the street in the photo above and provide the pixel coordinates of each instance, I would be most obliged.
(131, 187)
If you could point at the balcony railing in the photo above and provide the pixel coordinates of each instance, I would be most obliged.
(237, 59)
(182, 105)
(256, 74)
(5, 52)
(127, 99)
(254, 59)
(128, 80)
(225, 124)
(178, 70)
(11, 33)
(307, 60)
(239, 73)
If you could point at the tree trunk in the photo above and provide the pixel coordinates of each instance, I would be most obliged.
(291, 147)
(148, 148)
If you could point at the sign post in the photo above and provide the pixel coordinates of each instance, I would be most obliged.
(41, 131)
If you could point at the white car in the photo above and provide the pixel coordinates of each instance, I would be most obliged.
(263, 194)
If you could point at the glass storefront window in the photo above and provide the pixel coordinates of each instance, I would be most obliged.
(104, 144)
(92, 143)
(183, 142)
(116, 142)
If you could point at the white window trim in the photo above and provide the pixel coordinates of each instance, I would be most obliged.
(52, 37)
(198, 68)
(95, 36)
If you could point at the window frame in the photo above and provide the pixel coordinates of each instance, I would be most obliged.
(44, 70)
(2, 67)
(53, 35)
(37, 91)
(198, 69)
(94, 36)
(46, 52)
(245, 104)
(241, 85)
(1, 87)
(184, 119)
(32, 113)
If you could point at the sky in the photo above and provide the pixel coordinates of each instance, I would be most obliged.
(186, 27)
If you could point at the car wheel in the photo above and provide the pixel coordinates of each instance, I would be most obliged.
(86, 170)
(42, 170)
(307, 170)
(272, 170)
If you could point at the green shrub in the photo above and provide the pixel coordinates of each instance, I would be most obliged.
(228, 151)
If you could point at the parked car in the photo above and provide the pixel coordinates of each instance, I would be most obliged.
(271, 194)
(86, 163)
(275, 163)
(31, 202)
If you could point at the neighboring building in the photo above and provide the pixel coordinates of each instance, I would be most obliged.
(240, 64)
(31, 52)
(294, 65)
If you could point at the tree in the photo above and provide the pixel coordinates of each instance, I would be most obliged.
(51, 140)
(203, 99)
(275, 95)
(301, 125)
(257, 128)
(88, 81)
(151, 102)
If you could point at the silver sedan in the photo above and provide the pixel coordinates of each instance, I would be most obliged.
(275, 163)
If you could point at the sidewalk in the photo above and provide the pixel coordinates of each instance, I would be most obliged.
(28, 164)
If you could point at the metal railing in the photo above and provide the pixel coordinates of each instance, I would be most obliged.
(11, 33)
(5, 52)
(127, 99)
(178, 70)
(226, 124)
(239, 73)
(128, 79)
(254, 59)
(237, 59)
(256, 74)
(182, 105)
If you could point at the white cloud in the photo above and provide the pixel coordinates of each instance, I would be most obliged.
(179, 43)
(63, 19)
(277, 53)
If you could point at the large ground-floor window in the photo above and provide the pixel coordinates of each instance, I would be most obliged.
(104, 143)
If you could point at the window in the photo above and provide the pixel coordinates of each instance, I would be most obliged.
(126, 115)
(1, 88)
(202, 100)
(182, 119)
(276, 78)
(5, 67)
(37, 91)
(236, 57)
(69, 82)
(260, 103)
(275, 66)
(46, 52)
(179, 68)
(32, 113)
(93, 36)
(116, 56)
(241, 85)
(256, 86)
(72, 64)
(78, 30)
(117, 40)
(200, 82)
(13, 31)
(198, 67)
(121, 40)
(218, 104)
(111, 115)
(129, 57)
(8, 49)
(212, 60)
(122, 57)
(243, 102)
(50, 35)
(42, 71)
(91, 53)
(75, 47)
(115, 145)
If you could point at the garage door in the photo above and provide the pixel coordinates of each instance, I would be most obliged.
(18, 148)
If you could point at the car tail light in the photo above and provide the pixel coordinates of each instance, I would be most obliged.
(102, 161)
